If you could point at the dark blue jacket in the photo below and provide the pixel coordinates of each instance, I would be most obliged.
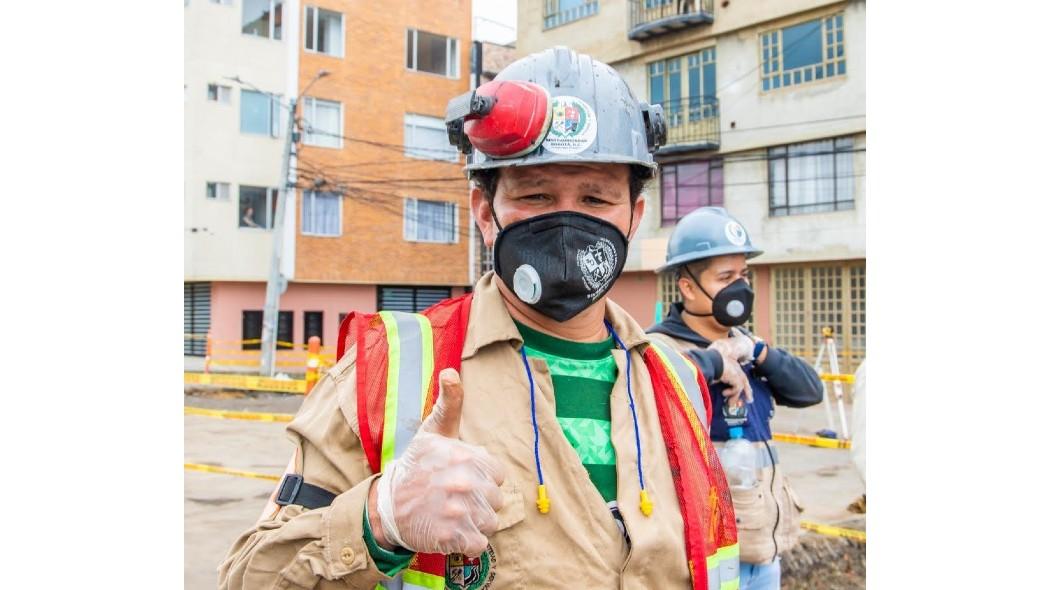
(783, 378)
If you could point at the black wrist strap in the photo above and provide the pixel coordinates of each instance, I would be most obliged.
(294, 490)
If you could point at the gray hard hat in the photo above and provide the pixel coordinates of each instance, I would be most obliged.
(705, 233)
(594, 116)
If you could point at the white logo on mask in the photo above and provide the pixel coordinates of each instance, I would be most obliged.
(597, 263)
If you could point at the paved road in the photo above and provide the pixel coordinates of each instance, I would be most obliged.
(219, 507)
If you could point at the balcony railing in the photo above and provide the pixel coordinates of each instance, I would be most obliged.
(692, 124)
(650, 18)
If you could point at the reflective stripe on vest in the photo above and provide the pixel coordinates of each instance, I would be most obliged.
(410, 365)
(723, 569)
(685, 375)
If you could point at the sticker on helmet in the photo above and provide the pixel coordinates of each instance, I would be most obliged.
(573, 126)
(735, 234)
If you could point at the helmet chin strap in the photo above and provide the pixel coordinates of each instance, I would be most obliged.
(702, 290)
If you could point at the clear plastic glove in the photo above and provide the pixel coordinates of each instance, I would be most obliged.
(739, 348)
(442, 494)
(734, 350)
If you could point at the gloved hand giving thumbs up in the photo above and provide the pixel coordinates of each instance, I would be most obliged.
(442, 494)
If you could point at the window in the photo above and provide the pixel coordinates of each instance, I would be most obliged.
(251, 330)
(322, 213)
(692, 101)
(811, 177)
(807, 299)
(324, 122)
(689, 185)
(427, 138)
(411, 299)
(427, 52)
(324, 31)
(219, 93)
(559, 12)
(813, 50)
(196, 317)
(217, 190)
(261, 18)
(431, 221)
(257, 207)
(313, 325)
(259, 113)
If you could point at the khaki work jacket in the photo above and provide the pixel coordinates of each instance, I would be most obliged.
(768, 517)
(577, 544)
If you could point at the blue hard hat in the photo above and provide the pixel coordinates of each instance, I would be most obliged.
(705, 233)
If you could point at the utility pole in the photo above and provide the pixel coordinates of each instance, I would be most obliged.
(277, 283)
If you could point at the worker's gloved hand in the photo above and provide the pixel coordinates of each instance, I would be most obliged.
(734, 350)
(739, 348)
(442, 494)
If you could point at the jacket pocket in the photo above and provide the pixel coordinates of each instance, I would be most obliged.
(513, 510)
(749, 506)
(791, 517)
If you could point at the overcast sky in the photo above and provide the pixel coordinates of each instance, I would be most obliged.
(495, 21)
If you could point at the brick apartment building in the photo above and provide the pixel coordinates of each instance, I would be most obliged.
(378, 218)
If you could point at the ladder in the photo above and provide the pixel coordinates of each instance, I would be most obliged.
(831, 350)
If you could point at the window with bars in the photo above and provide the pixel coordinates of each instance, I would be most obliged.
(251, 329)
(313, 325)
(811, 177)
(685, 186)
(807, 299)
(806, 52)
(559, 12)
(410, 299)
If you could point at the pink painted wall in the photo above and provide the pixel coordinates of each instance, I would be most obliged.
(228, 300)
(637, 292)
(763, 311)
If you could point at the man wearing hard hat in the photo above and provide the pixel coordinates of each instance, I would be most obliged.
(528, 434)
(708, 252)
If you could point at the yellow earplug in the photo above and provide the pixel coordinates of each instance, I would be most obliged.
(646, 504)
(543, 503)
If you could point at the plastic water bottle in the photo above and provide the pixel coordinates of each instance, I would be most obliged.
(739, 460)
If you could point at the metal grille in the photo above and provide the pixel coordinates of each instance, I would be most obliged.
(807, 299)
(411, 299)
(196, 317)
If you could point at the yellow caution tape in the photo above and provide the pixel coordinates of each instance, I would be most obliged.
(835, 531)
(227, 471)
(250, 382)
(837, 377)
(232, 415)
(813, 441)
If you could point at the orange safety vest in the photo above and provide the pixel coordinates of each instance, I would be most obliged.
(399, 356)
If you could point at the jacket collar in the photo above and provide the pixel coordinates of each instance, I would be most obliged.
(490, 321)
(674, 326)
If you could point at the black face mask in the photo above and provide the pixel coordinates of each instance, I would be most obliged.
(731, 306)
(560, 263)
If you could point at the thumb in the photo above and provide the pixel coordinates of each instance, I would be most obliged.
(444, 419)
